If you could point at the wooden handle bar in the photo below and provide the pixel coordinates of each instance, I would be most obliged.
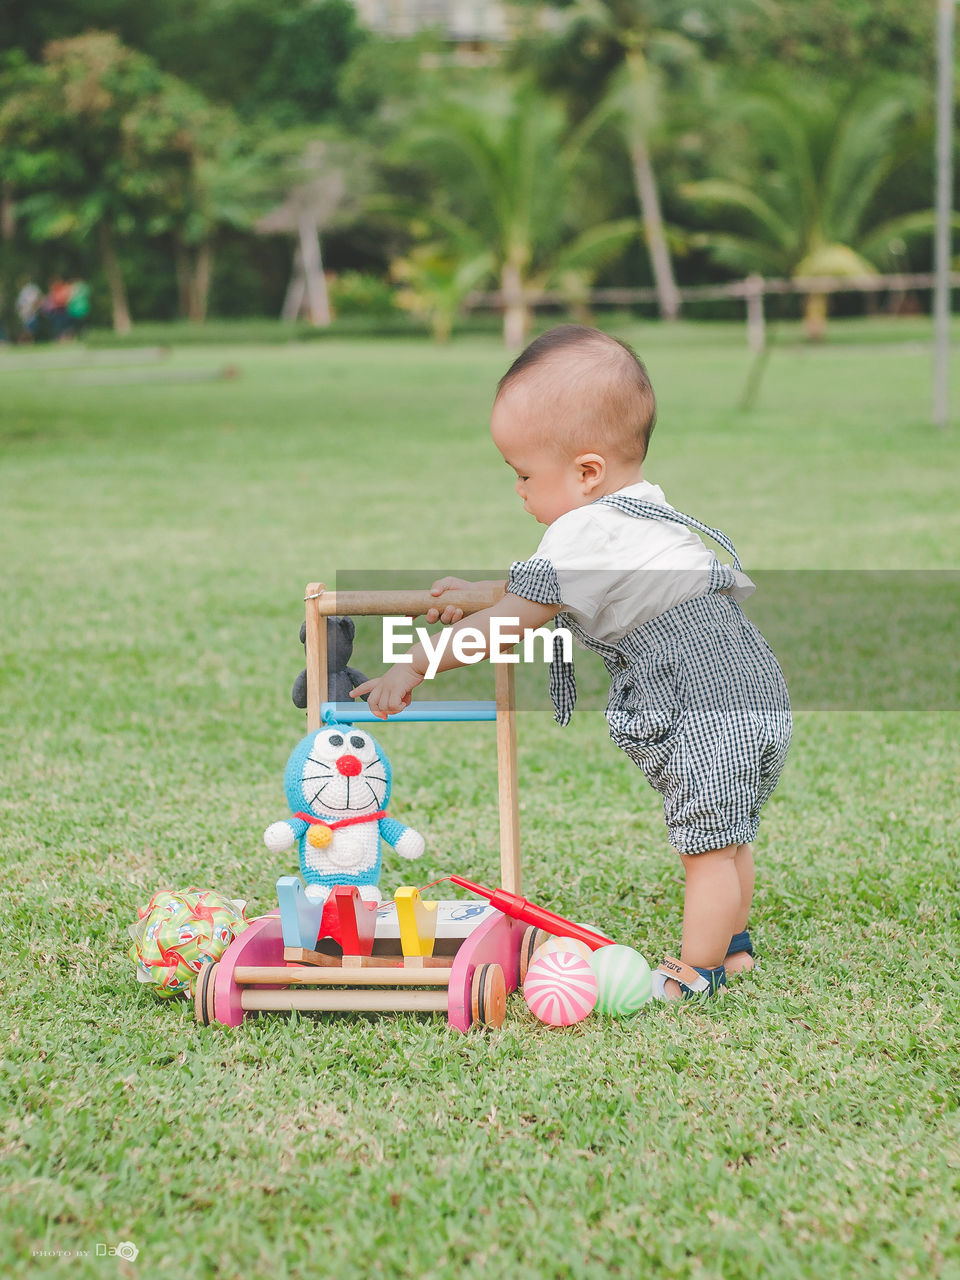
(399, 604)
(334, 976)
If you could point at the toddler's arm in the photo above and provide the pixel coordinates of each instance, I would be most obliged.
(391, 692)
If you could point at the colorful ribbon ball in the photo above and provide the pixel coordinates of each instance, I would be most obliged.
(178, 933)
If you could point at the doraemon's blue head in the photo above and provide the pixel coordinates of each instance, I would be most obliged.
(338, 771)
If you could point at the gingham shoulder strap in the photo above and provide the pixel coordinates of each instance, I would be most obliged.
(654, 511)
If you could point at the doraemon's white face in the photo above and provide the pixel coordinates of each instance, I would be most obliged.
(343, 773)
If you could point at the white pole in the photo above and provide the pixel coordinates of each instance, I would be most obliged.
(756, 325)
(941, 298)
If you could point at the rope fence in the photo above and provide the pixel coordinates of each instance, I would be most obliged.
(751, 291)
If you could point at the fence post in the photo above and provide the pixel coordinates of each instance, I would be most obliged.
(756, 323)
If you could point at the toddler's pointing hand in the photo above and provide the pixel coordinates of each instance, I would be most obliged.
(390, 692)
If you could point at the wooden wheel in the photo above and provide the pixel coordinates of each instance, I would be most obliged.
(532, 938)
(203, 1000)
(489, 999)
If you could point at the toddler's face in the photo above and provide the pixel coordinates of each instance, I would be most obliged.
(548, 482)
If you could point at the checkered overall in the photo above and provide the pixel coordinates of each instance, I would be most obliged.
(697, 698)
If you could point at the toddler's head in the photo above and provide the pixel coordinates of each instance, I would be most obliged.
(573, 415)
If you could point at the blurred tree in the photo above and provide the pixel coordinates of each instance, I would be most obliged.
(231, 183)
(279, 56)
(512, 174)
(622, 53)
(386, 85)
(79, 168)
(200, 173)
(322, 180)
(11, 160)
(438, 273)
(300, 78)
(109, 146)
(29, 25)
(383, 80)
(802, 177)
(852, 40)
(220, 47)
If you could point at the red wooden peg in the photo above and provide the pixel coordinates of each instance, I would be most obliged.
(357, 920)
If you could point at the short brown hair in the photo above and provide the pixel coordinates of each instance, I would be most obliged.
(603, 374)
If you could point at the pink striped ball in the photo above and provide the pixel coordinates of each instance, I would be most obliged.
(560, 988)
(573, 945)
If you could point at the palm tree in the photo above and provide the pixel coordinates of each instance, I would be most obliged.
(440, 270)
(512, 176)
(643, 44)
(801, 196)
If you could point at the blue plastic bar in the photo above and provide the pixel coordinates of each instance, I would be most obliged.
(418, 712)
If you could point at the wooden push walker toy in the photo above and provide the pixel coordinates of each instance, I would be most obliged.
(458, 957)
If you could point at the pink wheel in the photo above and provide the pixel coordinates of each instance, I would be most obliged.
(204, 998)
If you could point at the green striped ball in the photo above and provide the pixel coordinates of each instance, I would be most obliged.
(623, 979)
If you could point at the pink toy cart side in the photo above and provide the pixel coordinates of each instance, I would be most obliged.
(455, 957)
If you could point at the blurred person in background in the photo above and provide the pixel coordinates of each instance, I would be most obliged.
(56, 307)
(78, 308)
(29, 303)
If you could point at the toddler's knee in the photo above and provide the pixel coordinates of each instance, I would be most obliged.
(710, 856)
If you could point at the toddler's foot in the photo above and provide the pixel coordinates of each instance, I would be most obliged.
(739, 958)
(674, 980)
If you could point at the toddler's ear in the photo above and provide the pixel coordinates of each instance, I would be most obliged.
(592, 468)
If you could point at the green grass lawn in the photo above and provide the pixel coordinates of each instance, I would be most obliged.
(155, 538)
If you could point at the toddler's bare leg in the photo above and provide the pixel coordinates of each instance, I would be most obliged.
(744, 865)
(712, 905)
(740, 962)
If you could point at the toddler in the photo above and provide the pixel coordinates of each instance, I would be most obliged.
(697, 699)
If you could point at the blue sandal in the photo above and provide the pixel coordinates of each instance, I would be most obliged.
(692, 980)
(740, 942)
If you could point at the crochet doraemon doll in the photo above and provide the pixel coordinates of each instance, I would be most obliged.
(338, 786)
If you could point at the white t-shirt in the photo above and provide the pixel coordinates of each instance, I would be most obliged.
(617, 571)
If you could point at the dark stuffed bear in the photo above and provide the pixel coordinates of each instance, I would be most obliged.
(341, 677)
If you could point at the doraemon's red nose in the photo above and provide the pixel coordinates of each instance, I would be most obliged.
(349, 766)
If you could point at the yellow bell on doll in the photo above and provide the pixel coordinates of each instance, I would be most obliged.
(319, 836)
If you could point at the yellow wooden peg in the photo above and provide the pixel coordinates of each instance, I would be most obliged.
(418, 922)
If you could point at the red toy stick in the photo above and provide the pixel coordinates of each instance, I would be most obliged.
(511, 904)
